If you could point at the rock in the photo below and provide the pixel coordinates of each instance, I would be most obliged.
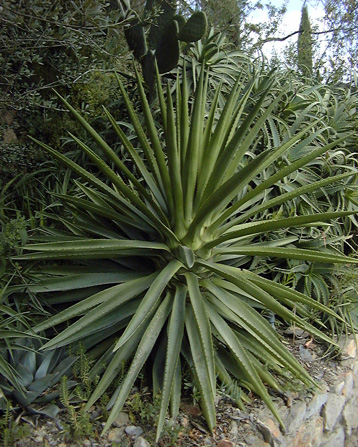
(309, 434)
(296, 332)
(348, 346)
(296, 416)
(234, 429)
(350, 413)
(134, 431)
(334, 439)
(8, 116)
(316, 403)
(306, 355)
(9, 136)
(141, 442)
(254, 440)
(269, 430)
(339, 387)
(39, 439)
(87, 443)
(121, 419)
(116, 434)
(225, 443)
(193, 410)
(332, 410)
(184, 422)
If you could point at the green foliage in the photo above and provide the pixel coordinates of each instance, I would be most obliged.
(166, 287)
(304, 45)
(79, 424)
(9, 430)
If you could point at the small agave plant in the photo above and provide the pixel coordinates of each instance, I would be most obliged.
(147, 262)
(36, 372)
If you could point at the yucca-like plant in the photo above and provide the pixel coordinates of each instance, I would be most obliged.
(149, 261)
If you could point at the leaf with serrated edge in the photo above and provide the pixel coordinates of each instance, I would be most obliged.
(175, 334)
(203, 379)
(144, 349)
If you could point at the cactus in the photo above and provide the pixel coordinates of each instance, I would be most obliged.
(165, 33)
(194, 29)
(167, 53)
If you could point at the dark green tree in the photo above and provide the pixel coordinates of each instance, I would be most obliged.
(304, 45)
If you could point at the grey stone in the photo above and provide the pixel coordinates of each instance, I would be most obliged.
(234, 429)
(332, 410)
(350, 415)
(334, 439)
(295, 417)
(134, 431)
(141, 442)
(315, 405)
(349, 384)
(339, 387)
(309, 434)
(116, 435)
(87, 443)
(121, 419)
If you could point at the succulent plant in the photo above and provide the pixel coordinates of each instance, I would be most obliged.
(165, 31)
(178, 225)
(36, 371)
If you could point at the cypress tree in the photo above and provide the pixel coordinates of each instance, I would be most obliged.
(304, 44)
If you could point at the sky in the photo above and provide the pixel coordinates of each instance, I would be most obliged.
(291, 19)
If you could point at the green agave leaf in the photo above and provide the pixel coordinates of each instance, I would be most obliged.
(176, 391)
(255, 325)
(96, 306)
(150, 300)
(283, 198)
(175, 334)
(174, 167)
(114, 367)
(243, 360)
(145, 347)
(203, 325)
(279, 290)
(236, 276)
(273, 179)
(230, 386)
(148, 151)
(99, 140)
(138, 162)
(270, 225)
(83, 280)
(222, 196)
(288, 253)
(90, 248)
(199, 364)
(92, 180)
(139, 205)
(7, 371)
(154, 139)
(191, 163)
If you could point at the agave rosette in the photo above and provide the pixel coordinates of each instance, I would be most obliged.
(149, 259)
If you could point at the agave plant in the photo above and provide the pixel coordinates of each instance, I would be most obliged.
(147, 258)
(36, 373)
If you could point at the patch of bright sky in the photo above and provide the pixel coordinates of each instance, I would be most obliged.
(291, 20)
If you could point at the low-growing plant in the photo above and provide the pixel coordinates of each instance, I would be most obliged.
(146, 260)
